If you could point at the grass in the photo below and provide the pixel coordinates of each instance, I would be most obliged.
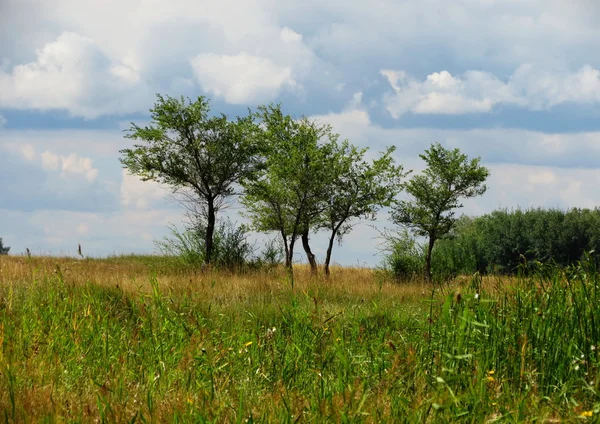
(137, 339)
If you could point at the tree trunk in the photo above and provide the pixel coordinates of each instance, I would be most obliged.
(210, 231)
(288, 262)
(329, 250)
(428, 258)
(309, 254)
(289, 257)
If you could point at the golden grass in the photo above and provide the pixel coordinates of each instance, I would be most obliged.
(133, 275)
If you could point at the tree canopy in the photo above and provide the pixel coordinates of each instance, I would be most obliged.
(358, 188)
(286, 195)
(196, 155)
(435, 194)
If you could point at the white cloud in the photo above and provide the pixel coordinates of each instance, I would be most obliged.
(140, 194)
(76, 165)
(71, 73)
(3, 121)
(59, 232)
(50, 161)
(28, 152)
(241, 78)
(71, 166)
(479, 92)
(513, 185)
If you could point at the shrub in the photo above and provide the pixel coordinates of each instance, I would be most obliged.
(404, 258)
(231, 250)
(3, 249)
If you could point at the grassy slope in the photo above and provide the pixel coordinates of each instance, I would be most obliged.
(138, 337)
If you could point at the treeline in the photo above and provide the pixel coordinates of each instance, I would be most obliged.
(502, 242)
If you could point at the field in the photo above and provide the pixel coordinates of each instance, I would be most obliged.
(138, 339)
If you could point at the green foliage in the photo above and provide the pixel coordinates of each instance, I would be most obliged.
(311, 181)
(232, 250)
(287, 193)
(404, 257)
(435, 194)
(502, 241)
(357, 189)
(200, 156)
(3, 249)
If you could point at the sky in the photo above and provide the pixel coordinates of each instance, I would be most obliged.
(515, 82)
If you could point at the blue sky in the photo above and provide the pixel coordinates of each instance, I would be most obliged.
(516, 82)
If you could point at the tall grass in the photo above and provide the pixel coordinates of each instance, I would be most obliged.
(123, 340)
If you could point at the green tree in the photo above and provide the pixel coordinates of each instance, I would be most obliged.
(357, 188)
(434, 195)
(287, 194)
(3, 249)
(199, 157)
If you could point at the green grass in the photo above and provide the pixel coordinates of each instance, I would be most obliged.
(223, 349)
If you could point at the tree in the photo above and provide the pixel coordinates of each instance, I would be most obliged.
(3, 250)
(201, 158)
(449, 177)
(287, 194)
(358, 189)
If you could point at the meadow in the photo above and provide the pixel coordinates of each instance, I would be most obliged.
(142, 339)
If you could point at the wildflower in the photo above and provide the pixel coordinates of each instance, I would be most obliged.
(490, 376)
(586, 414)
(247, 344)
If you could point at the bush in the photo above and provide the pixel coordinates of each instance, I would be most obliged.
(502, 241)
(271, 254)
(405, 258)
(231, 250)
(3, 249)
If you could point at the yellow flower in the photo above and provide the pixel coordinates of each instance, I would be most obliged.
(490, 379)
(248, 344)
(491, 372)
(586, 414)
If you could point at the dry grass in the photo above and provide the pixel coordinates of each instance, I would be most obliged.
(131, 274)
(143, 338)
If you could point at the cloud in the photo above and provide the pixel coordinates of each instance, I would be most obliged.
(71, 166)
(479, 92)
(3, 121)
(528, 168)
(71, 73)
(514, 185)
(242, 78)
(48, 231)
(140, 194)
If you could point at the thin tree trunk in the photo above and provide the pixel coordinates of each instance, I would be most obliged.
(210, 231)
(334, 233)
(428, 258)
(309, 254)
(288, 263)
(290, 255)
(329, 250)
